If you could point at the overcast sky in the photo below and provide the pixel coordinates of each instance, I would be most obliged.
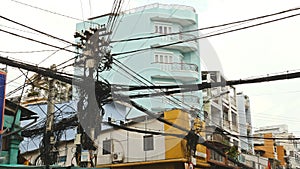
(256, 51)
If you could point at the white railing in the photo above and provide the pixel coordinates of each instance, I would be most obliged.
(178, 66)
(158, 5)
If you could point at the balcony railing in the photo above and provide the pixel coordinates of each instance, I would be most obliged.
(180, 37)
(158, 5)
(188, 99)
(178, 66)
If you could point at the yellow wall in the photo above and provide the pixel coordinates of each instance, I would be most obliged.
(176, 147)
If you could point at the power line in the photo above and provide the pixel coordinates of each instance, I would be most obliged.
(202, 141)
(113, 16)
(52, 12)
(210, 27)
(266, 138)
(44, 43)
(201, 86)
(41, 32)
(144, 131)
(40, 70)
(136, 74)
(202, 37)
(32, 51)
(19, 29)
(19, 88)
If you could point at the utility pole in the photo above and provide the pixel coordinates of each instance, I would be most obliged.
(48, 155)
(96, 58)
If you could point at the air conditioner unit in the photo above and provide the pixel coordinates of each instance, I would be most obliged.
(85, 156)
(117, 157)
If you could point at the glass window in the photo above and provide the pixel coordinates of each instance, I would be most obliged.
(161, 58)
(156, 58)
(166, 59)
(148, 143)
(234, 119)
(165, 30)
(170, 59)
(160, 29)
(106, 147)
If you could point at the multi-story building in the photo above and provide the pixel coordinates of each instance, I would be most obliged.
(221, 117)
(245, 124)
(38, 91)
(160, 64)
(290, 146)
(165, 65)
(220, 107)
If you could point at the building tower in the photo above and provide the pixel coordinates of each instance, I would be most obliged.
(243, 107)
(158, 65)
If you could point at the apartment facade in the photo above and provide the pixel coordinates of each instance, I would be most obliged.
(160, 64)
(220, 108)
(245, 123)
(290, 156)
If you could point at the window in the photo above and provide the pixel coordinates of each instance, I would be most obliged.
(234, 119)
(225, 113)
(292, 153)
(166, 59)
(106, 147)
(156, 58)
(225, 116)
(163, 29)
(170, 59)
(160, 29)
(148, 143)
(163, 57)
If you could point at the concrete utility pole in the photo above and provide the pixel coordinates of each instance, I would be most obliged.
(51, 99)
(95, 58)
(49, 155)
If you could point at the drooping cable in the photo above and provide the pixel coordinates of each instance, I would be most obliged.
(209, 27)
(202, 37)
(41, 32)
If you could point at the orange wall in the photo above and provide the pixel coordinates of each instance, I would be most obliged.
(280, 155)
(268, 146)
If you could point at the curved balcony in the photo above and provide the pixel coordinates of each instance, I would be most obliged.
(178, 71)
(181, 14)
(189, 44)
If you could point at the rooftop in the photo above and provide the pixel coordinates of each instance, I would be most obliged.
(158, 5)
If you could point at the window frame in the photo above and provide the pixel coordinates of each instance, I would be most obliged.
(148, 141)
(105, 146)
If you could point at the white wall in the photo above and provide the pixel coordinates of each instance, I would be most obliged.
(130, 144)
(259, 162)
